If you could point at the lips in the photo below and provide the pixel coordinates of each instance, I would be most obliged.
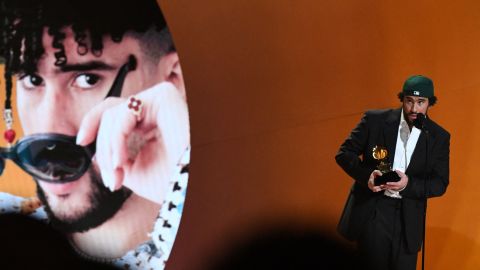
(59, 189)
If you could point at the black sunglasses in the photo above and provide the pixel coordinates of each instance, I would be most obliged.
(54, 157)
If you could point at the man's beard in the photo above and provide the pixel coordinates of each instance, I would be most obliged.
(103, 205)
(406, 117)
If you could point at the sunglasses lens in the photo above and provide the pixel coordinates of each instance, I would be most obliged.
(53, 160)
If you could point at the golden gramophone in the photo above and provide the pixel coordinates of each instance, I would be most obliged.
(380, 153)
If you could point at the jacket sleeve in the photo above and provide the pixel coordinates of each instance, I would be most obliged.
(438, 178)
(350, 152)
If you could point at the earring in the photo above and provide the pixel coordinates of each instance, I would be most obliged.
(9, 133)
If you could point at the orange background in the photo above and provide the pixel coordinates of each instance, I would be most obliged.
(275, 86)
(13, 180)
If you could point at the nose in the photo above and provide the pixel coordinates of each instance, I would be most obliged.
(416, 107)
(55, 113)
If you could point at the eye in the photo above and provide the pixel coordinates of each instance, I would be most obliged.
(86, 81)
(31, 81)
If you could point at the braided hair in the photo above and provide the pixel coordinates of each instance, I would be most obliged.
(23, 22)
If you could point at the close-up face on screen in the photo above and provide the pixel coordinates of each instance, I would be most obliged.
(96, 129)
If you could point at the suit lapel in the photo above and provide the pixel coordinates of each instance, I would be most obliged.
(418, 154)
(390, 132)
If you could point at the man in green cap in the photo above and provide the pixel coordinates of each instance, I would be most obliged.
(386, 219)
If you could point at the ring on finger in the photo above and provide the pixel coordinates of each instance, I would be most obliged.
(135, 106)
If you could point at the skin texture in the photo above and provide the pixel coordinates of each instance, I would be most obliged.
(135, 153)
(412, 106)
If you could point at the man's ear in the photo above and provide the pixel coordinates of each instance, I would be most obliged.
(171, 70)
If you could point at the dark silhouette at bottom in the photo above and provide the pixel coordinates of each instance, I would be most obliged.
(27, 243)
(287, 247)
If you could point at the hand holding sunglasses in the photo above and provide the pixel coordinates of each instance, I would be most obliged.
(141, 142)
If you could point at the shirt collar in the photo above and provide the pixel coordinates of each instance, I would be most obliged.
(403, 122)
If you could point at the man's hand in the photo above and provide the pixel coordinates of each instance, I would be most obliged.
(399, 185)
(141, 155)
(371, 181)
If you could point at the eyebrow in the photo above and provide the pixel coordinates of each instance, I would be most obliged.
(418, 99)
(91, 65)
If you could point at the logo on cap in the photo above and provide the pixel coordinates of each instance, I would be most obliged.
(416, 93)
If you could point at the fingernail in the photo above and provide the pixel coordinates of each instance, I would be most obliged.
(111, 183)
(118, 178)
(116, 162)
(107, 181)
(112, 189)
(80, 137)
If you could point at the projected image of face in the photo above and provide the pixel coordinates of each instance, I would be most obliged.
(63, 95)
(65, 69)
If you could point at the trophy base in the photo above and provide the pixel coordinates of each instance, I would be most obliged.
(390, 176)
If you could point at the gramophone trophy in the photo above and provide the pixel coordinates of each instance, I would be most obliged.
(380, 153)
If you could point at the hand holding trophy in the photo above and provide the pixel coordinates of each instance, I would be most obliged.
(380, 153)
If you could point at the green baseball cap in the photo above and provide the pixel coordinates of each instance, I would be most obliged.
(419, 86)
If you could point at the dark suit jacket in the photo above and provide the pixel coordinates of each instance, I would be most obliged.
(380, 127)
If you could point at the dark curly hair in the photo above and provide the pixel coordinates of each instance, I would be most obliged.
(431, 100)
(23, 22)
